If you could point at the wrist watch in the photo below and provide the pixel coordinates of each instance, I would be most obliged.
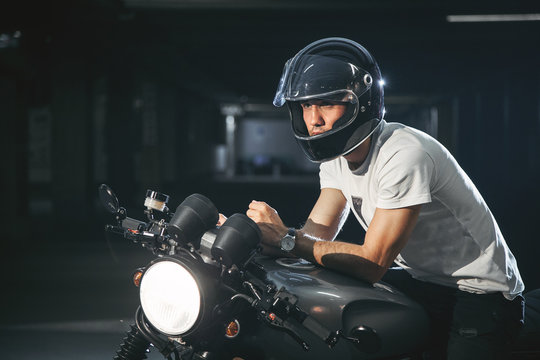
(289, 240)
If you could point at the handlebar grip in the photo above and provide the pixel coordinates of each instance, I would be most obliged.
(293, 329)
(133, 224)
(316, 328)
(320, 330)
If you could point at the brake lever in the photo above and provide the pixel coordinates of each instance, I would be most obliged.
(277, 323)
(146, 239)
(329, 337)
(286, 303)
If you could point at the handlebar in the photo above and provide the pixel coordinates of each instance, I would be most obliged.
(137, 236)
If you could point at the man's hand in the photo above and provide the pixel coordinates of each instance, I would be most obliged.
(221, 220)
(269, 222)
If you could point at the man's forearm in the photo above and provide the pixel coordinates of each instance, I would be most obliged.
(337, 255)
(304, 246)
(313, 248)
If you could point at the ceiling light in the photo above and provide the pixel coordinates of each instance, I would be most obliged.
(493, 18)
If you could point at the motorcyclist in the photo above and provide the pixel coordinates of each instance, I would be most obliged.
(419, 208)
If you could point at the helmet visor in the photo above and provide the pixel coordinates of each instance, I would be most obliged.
(321, 77)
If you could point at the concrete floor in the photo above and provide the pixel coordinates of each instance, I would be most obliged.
(67, 298)
(84, 340)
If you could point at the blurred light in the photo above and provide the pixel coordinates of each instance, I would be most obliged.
(9, 40)
(381, 82)
(493, 18)
(4, 40)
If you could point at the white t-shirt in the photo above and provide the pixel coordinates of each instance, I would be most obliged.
(456, 241)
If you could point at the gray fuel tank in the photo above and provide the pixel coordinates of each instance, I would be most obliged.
(396, 323)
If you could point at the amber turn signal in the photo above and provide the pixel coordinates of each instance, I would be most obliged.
(232, 329)
(137, 276)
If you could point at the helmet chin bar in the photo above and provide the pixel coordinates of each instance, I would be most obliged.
(342, 142)
(374, 128)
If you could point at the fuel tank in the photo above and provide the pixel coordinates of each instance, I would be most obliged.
(385, 321)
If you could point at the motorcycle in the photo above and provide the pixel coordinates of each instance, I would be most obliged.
(211, 294)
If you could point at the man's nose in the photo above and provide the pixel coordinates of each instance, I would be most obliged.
(315, 116)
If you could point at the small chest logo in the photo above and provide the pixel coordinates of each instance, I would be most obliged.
(357, 207)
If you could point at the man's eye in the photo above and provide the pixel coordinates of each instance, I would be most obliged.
(306, 105)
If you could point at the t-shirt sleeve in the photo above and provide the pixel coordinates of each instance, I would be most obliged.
(405, 179)
(328, 175)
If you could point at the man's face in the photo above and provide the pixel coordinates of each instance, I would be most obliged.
(321, 115)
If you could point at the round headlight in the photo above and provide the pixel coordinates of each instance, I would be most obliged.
(170, 297)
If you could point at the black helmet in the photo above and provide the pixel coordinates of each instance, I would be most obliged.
(334, 69)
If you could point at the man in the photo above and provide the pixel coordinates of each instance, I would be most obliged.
(419, 208)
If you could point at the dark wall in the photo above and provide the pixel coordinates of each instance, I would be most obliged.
(133, 100)
(498, 146)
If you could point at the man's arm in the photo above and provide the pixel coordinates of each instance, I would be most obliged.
(387, 234)
(324, 222)
(327, 216)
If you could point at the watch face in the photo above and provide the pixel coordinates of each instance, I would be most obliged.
(287, 242)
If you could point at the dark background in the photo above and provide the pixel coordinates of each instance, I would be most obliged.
(131, 93)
